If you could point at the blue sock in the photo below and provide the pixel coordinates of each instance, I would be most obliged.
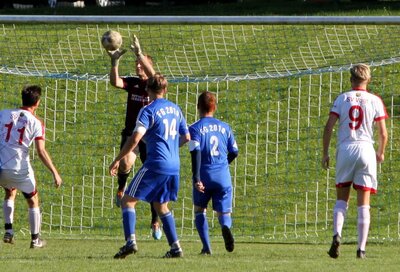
(225, 220)
(129, 222)
(168, 222)
(202, 229)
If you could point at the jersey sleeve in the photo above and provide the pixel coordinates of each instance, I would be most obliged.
(335, 109)
(144, 118)
(129, 82)
(194, 143)
(183, 128)
(232, 145)
(39, 130)
(380, 108)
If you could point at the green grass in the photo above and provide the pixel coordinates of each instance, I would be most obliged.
(281, 191)
(97, 255)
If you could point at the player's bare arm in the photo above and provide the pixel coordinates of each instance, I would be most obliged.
(327, 139)
(382, 140)
(115, 56)
(129, 145)
(183, 139)
(147, 67)
(45, 158)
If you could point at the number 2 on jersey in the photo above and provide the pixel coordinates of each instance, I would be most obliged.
(214, 146)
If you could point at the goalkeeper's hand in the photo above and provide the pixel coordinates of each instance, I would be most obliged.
(116, 55)
(136, 47)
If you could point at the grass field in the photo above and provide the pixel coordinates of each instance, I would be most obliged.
(97, 255)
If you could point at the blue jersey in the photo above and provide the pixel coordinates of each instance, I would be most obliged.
(215, 140)
(164, 123)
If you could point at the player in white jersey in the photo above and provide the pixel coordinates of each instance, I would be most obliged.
(357, 111)
(18, 129)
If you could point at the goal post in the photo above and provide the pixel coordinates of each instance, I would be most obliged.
(275, 78)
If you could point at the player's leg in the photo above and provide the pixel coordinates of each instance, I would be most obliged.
(222, 204)
(168, 222)
(124, 171)
(365, 183)
(128, 204)
(202, 228)
(8, 211)
(156, 232)
(363, 220)
(339, 215)
(35, 219)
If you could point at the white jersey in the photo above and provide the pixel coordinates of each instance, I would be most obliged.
(18, 129)
(357, 111)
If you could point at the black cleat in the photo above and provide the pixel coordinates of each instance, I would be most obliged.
(228, 239)
(334, 250)
(174, 253)
(205, 252)
(8, 238)
(361, 254)
(126, 250)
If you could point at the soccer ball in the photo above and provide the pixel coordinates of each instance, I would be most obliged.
(111, 40)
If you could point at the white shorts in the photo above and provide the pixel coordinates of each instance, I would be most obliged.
(23, 180)
(356, 164)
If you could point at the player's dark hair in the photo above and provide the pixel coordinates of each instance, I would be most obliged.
(207, 102)
(30, 95)
(157, 83)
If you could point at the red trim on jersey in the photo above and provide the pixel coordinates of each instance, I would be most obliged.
(359, 89)
(381, 118)
(39, 138)
(334, 113)
(384, 108)
(30, 195)
(363, 188)
(344, 184)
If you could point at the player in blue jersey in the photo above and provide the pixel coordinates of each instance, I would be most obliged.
(213, 148)
(137, 98)
(162, 126)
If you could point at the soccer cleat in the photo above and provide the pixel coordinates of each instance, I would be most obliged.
(228, 238)
(174, 253)
(156, 231)
(205, 252)
(38, 243)
(8, 238)
(334, 250)
(118, 198)
(361, 254)
(126, 250)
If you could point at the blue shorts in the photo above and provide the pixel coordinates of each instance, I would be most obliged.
(221, 199)
(153, 187)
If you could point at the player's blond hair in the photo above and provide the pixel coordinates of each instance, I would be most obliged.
(157, 83)
(360, 72)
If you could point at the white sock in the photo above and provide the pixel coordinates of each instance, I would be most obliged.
(339, 214)
(34, 220)
(364, 219)
(8, 210)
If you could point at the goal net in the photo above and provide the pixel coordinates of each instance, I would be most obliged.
(275, 83)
